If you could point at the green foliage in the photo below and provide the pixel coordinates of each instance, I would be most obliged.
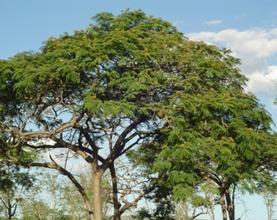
(12, 179)
(13, 182)
(132, 66)
(227, 133)
(119, 65)
(142, 214)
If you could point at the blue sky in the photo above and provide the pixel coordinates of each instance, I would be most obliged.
(25, 24)
(248, 27)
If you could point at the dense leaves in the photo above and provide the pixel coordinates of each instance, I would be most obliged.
(223, 137)
(132, 80)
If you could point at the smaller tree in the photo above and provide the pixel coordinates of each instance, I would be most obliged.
(269, 199)
(35, 210)
(269, 194)
(226, 141)
(13, 183)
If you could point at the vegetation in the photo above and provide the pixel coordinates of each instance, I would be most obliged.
(133, 83)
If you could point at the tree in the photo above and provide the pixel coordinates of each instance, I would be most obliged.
(13, 182)
(83, 91)
(54, 196)
(107, 89)
(97, 93)
(215, 133)
(227, 140)
(269, 192)
(270, 199)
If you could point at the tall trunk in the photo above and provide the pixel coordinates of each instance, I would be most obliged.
(230, 206)
(116, 203)
(231, 203)
(9, 210)
(223, 206)
(97, 191)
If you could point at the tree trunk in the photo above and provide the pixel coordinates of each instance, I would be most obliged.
(269, 213)
(97, 191)
(223, 206)
(269, 199)
(230, 207)
(231, 203)
(11, 209)
(116, 203)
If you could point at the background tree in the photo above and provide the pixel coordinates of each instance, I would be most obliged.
(216, 133)
(13, 180)
(13, 183)
(57, 198)
(269, 193)
(226, 146)
(270, 199)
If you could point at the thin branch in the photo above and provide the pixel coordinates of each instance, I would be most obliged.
(4, 203)
(131, 204)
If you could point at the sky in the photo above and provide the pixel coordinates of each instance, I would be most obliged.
(247, 27)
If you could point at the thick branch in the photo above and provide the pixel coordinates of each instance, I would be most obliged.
(81, 151)
(4, 203)
(66, 173)
(116, 202)
(46, 134)
(121, 140)
(94, 147)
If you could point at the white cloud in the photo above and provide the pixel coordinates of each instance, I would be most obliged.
(263, 83)
(258, 43)
(213, 22)
(256, 48)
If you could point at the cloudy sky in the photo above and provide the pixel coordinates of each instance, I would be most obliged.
(247, 27)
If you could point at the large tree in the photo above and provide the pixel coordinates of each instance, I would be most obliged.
(97, 93)
(101, 91)
(214, 132)
(220, 136)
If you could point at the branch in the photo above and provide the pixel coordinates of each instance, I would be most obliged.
(4, 203)
(66, 173)
(46, 134)
(120, 142)
(130, 146)
(198, 214)
(131, 204)
(14, 207)
(94, 147)
(81, 151)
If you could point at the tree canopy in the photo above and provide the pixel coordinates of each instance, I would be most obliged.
(217, 134)
(128, 81)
